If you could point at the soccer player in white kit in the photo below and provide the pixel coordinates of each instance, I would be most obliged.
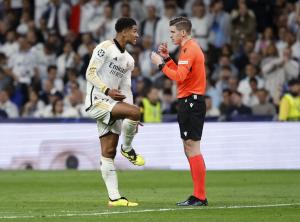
(109, 101)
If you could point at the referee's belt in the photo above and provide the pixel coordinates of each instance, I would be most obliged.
(194, 97)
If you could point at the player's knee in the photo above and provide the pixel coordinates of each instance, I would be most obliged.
(135, 114)
(109, 153)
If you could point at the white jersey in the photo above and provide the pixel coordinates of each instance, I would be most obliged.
(109, 67)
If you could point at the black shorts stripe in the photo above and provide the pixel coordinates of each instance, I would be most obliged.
(91, 99)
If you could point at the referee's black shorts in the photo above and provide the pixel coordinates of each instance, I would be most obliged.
(191, 114)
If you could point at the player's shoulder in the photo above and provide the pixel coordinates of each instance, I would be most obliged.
(105, 44)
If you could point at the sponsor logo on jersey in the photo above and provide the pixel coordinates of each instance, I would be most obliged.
(116, 70)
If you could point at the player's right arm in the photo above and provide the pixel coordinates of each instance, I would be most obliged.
(97, 60)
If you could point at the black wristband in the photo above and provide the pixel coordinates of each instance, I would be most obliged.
(167, 59)
(106, 91)
(161, 66)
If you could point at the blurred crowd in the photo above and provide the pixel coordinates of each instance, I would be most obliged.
(252, 50)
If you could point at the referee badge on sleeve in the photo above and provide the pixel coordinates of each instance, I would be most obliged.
(183, 62)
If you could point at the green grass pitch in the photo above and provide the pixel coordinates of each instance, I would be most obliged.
(80, 196)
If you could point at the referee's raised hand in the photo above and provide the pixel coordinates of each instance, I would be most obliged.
(163, 50)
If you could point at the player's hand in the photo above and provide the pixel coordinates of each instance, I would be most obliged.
(156, 59)
(163, 50)
(116, 94)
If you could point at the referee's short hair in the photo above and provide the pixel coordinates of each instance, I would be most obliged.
(124, 23)
(182, 23)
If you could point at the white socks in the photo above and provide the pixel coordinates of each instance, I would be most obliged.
(129, 129)
(110, 178)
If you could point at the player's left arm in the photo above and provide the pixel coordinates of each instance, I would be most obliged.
(183, 68)
(125, 87)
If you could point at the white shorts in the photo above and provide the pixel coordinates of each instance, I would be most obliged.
(101, 111)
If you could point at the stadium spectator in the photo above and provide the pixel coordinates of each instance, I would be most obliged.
(289, 109)
(148, 25)
(45, 24)
(147, 69)
(263, 107)
(251, 98)
(245, 84)
(243, 26)
(236, 107)
(211, 111)
(7, 107)
(264, 41)
(220, 23)
(52, 77)
(161, 33)
(82, 14)
(56, 17)
(277, 71)
(65, 60)
(242, 58)
(200, 25)
(106, 26)
(11, 45)
(97, 16)
(44, 58)
(225, 75)
(224, 61)
(22, 67)
(59, 110)
(213, 93)
(132, 8)
(34, 107)
(75, 97)
(224, 105)
(168, 103)
(86, 40)
(5, 80)
(151, 109)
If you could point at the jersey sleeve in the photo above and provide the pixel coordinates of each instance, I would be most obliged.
(98, 58)
(179, 72)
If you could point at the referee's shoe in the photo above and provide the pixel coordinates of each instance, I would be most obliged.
(134, 158)
(192, 201)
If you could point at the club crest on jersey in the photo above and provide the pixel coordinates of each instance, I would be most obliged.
(100, 52)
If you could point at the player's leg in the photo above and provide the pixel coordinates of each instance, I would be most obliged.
(131, 115)
(191, 120)
(109, 143)
(109, 131)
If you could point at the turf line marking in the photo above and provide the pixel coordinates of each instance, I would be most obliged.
(147, 210)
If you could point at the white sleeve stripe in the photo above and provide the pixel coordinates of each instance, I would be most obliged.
(183, 62)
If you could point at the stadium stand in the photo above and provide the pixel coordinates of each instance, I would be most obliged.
(252, 51)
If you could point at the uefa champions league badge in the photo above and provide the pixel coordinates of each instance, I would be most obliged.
(100, 52)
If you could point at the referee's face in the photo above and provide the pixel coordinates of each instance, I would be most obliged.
(132, 35)
(175, 35)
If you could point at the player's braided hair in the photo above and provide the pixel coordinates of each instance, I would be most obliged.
(182, 23)
(124, 23)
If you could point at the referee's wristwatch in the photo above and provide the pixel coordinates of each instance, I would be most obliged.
(161, 66)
